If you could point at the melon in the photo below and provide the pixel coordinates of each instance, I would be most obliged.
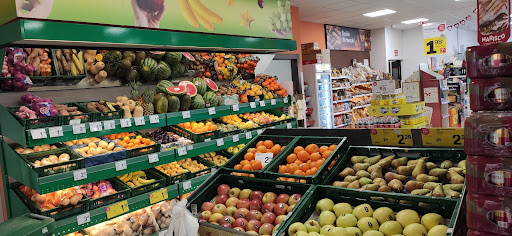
(185, 102)
(174, 104)
(176, 90)
(177, 70)
(148, 68)
(211, 85)
(162, 86)
(197, 102)
(200, 85)
(163, 70)
(173, 57)
(187, 58)
(156, 54)
(210, 99)
(161, 105)
(191, 88)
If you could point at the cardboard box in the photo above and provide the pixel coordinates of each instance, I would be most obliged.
(407, 109)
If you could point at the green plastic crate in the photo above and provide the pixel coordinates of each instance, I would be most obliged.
(208, 165)
(139, 151)
(28, 224)
(287, 141)
(122, 192)
(272, 171)
(209, 191)
(87, 116)
(150, 174)
(196, 138)
(57, 67)
(271, 124)
(100, 116)
(75, 161)
(34, 123)
(170, 180)
(443, 206)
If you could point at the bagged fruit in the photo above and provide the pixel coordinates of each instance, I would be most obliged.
(489, 61)
(489, 214)
(491, 94)
(489, 134)
(487, 175)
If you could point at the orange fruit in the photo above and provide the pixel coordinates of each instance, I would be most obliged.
(322, 149)
(297, 149)
(260, 143)
(312, 148)
(282, 169)
(332, 147)
(326, 154)
(313, 170)
(249, 156)
(262, 149)
(303, 156)
(309, 172)
(257, 165)
(238, 166)
(247, 167)
(319, 163)
(293, 167)
(253, 150)
(298, 162)
(276, 149)
(299, 172)
(304, 167)
(315, 156)
(244, 162)
(291, 158)
(283, 147)
(268, 144)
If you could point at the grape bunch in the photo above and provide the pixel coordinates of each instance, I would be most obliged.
(280, 23)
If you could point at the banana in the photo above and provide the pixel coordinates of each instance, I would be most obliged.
(139, 173)
(74, 70)
(186, 11)
(131, 184)
(79, 66)
(129, 177)
(74, 51)
(123, 177)
(145, 181)
(205, 12)
(204, 22)
(134, 181)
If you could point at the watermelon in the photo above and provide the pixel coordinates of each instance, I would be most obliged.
(172, 57)
(161, 105)
(191, 88)
(210, 99)
(177, 70)
(211, 85)
(187, 58)
(185, 102)
(162, 86)
(197, 102)
(148, 68)
(176, 90)
(156, 54)
(174, 104)
(163, 70)
(200, 85)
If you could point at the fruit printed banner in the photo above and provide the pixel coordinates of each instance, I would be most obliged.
(493, 21)
(259, 18)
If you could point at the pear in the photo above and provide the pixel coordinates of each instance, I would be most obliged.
(379, 181)
(362, 173)
(462, 165)
(373, 160)
(396, 185)
(457, 169)
(371, 187)
(420, 168)
(446, 164)
(455, 178)
(431, 165)
(455, 187)
(384, 188)
(414, 162)
(386, 162)
(357, 159)
(438, 192)
(438, 172)
(376, 173)
(431, 185)
(346, 172)
(361, 166)
(340, 184)
(450, 193)
(351, 178)
(354, 184)
(420, 191)
(426, 178)
(364, 181)
(402, 161)
(390, 176)
(405, 170)
(412, 185)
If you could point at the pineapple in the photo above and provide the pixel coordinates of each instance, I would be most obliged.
(147, 102)
(134, 85)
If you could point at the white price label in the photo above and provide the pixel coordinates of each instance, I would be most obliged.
(285, 99)
(80, 174)
(120, 165)
(139, 121)
(187, 185)
(259, 131)
(208, 140)
(248, 135)
(125, 123)
(153, 119)
(79, 129)
(153, 158)
(44, 230)
(55, 132)
(289, 125)
(235, 107)
(162, 233)
(236, 138)
(185, 114)
(273, 127)
(272, 102)
(262, 104)
(220, 142)
(95, 127)
(265, 158)
(253, 105)
(211, 111)
(74, 121)
(109, 124)
(182, 151)
(214, 170)
(38, 133)
(189, 147)
(83, 218)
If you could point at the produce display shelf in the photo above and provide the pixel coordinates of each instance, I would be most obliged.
(361, 95)
(246, 107)
(342, 112)
(342, 100)
(338, 88)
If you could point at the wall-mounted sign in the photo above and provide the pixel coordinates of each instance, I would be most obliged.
(343, 38)
(493, 21)
(434, 38)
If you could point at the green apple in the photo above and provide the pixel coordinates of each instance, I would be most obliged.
(326, 218)
(296, 227)
(312, 226)
(314, 234)
(337, 231)
(384, 214)
(354, 231)
(373, 233)
(346, 220)
(438, 230)
(363, 210)
(390, 228)
(415, 229)
(431, 219)
(342, 208)
(407, 217)
(326, 229)
(367, 223)
(325, 204)
(301, 233)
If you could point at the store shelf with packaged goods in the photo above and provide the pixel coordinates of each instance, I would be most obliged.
(416, 126)
(341, 126)
(361, 95)
(339, 88)
(342, 112)
(340, 77)
(362, 106)
(364, 83)
(51, 183)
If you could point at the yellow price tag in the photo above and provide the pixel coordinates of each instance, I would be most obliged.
(435, 46)
(442, 137)
(158, 196)
(392, 137)
(117, 209)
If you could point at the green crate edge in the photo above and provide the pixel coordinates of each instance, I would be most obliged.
(125, 189)
(41, 170)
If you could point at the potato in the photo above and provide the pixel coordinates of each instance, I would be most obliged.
(110, 146)
(69, 143)
(103, 144)
(92, 145)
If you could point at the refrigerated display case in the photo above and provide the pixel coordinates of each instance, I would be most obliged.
(318, 77)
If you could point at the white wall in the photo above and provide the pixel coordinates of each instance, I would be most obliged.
(378, 53)
(394, 41)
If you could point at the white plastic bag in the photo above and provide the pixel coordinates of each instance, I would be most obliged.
(183, 223)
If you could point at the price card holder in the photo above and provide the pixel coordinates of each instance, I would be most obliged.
(248, 135)
(95, 127)
(190, 147)
(185, 114)
(139, 121)
(289, 125)
(79, 129)
(74, 121)
(55, 132)
(272, 102)
(252, 104)
(187, 185)
(158, 196)
(109, 124)
(80, 174)
(265, 158)
(117, 209)
(38, 133)
(236, 138)
(392, 137)
(439, 137)
(182, 151)
(220, 142)
(125, 123)
(207, 140)
(120, 165)
(83, 218)
(259, 131)
(153, 119)
(235, 107)
(262, 104)
(211, 111)
(152, 158)
(285, 99)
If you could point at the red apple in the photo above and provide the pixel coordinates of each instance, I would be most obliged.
(151, 6)
(280, 219)
(255, 205)
(280, 209)
(221, 199)
(253, 225)
(266, 228)
(226, 220)
(268, 207)
(205, 215)
(227, 225)
(241, 223)
(202, 220)
(253, 215)
(282, 198)
(290, 208)
(230, 211)
(207, 206)
(256, 195)
(241, 213)
(244, 203)
(219, 208)
(232, 201)
(269, 197)
(223, 189)
(268, 217)
(294, 198)
(239, 229)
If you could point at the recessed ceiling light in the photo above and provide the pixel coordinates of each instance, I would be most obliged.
(414, 21)
(379, 13)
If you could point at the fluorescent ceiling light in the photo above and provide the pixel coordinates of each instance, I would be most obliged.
(414, 21)
(379, 13)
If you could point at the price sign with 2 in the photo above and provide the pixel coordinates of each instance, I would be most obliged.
(79, 129)
(125, 123)
(265, 158)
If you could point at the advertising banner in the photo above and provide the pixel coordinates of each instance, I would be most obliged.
(258, 18)
(343, 38)
(434, 38)
(493, 21)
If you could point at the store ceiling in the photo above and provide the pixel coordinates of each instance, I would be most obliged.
(349, 13)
